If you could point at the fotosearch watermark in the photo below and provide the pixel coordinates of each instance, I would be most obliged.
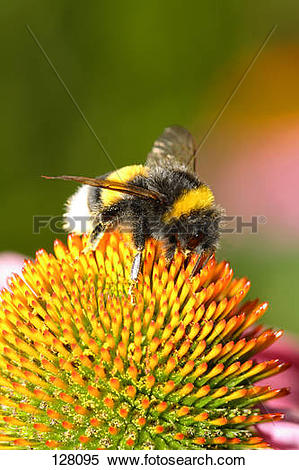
(236, 224)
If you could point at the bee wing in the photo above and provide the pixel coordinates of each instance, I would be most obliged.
(175, 147)
(122, 187)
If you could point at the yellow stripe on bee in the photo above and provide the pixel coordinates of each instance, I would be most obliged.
(192, 200)
(123, 175)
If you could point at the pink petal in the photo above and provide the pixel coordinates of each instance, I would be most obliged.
(280, 435)
(9, 263)
(283, 434)
(266, 161)
(286, 349)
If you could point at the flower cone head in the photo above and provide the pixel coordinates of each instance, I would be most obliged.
(84, 367)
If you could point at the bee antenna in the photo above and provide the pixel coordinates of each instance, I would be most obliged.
(192, 160)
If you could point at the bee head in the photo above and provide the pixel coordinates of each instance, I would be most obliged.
(197, 232)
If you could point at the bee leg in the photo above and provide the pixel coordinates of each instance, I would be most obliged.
(169, 254)
(136, 266)
(139, 241)
(95, 237)
(201, 262)
(139, 236)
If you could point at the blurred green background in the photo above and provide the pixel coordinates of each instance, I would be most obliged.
(134, 68)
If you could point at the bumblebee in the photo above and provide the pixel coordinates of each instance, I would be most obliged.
(163, 199)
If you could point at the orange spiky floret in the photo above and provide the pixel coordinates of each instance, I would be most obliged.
(82, 367)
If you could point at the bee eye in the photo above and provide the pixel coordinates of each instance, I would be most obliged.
(195, 241)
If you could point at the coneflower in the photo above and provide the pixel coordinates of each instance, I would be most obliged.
(82, 367)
